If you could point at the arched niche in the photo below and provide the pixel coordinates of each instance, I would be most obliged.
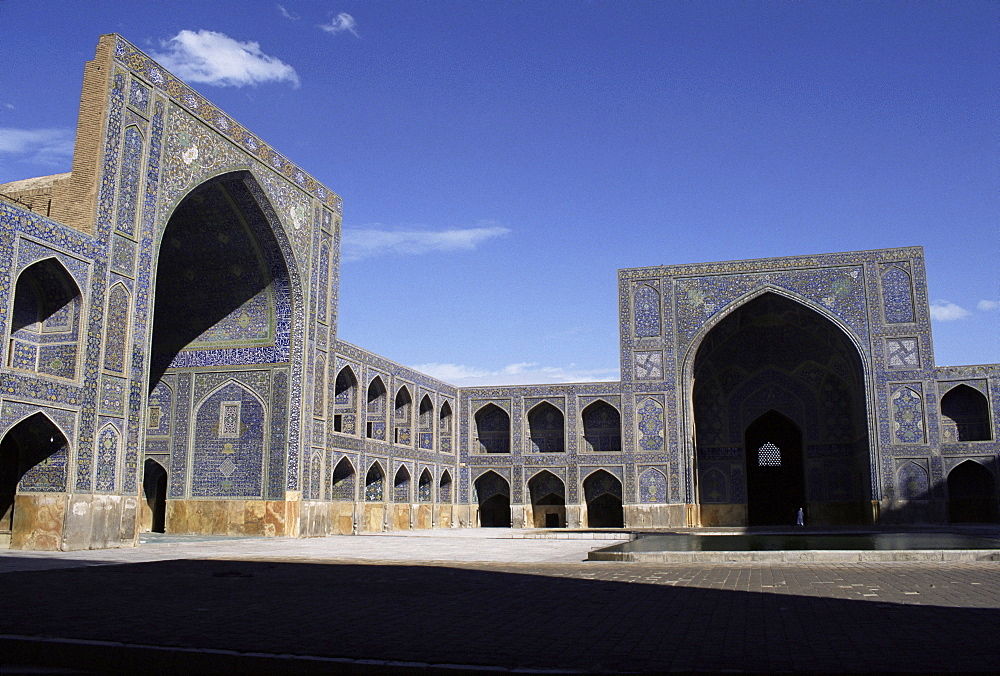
(45, 326)
(493, 429)
(342, 482)
(546, 429)
(403, 417)
(375, 483)
(376, 397)
(425, 487)
(426, 417)
(345, 401)
(602, 427)
(966, 415)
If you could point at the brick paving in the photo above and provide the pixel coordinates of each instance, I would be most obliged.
(571, 616)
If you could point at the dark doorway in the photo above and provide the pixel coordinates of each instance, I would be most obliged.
(24, 446)
(493, 494)
(154, 488)
(972, 496)
(602, 491)
(495, 512)
(775, 478)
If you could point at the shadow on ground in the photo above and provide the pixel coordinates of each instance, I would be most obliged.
(466, 615)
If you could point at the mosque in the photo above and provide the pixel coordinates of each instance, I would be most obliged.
(171, 362)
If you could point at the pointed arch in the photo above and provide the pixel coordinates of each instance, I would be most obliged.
(493, 495)
(652, 486)
(345, 401)
(603, 494)
(227, 292)
(45, 322)
(154, 490)
(116, 332)
(773, 349)
(913, 482)
(966, 414)
(230, 427)
(401, 485)
(403, 417)
(343, 480)
(426, 417)
(897, 296)
(33, 457)
(108, 449)
(493, 429)
(548, 500)
(319, 386)
(425, 487)
(602, 427)
(376, 398)
(445, 423)
(972, 494)
(646, 311)
(444, 487)
(546, 429)
(375, 483)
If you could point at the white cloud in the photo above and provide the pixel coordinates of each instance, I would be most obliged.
(524, 373)
(288, 15)
(217, 59)
(987, 305)
(363, 243)
(41, 146)
(946, 311)
(340, 23)
(9, 106)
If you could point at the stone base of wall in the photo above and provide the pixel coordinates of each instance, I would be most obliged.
(270, 518)
(912, 511)
(839, 514)
(61, 521)
(714, 515)
(656, 516)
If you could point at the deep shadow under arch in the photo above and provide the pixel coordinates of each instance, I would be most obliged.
(972, 494)
(23, 452)
(775, 482)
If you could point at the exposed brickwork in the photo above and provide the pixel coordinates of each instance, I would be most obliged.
(74, 201)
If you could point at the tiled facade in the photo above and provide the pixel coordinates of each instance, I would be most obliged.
(190, 320)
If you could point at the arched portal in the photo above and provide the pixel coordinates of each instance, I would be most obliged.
(775, 483)
(33, 457)
(548, 500)
(972, 494)
(154, 489)
(603, 492)
(493, 494)
(223, 300)
(774, 355)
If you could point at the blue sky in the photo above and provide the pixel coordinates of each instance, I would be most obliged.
(499, 161)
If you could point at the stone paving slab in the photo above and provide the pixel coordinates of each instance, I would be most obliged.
(295, 606)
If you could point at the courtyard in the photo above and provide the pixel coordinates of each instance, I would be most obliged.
(482, 601)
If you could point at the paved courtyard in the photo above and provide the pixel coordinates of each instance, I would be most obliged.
(462, 601)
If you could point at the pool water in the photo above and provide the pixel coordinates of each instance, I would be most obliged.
(684, 542)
